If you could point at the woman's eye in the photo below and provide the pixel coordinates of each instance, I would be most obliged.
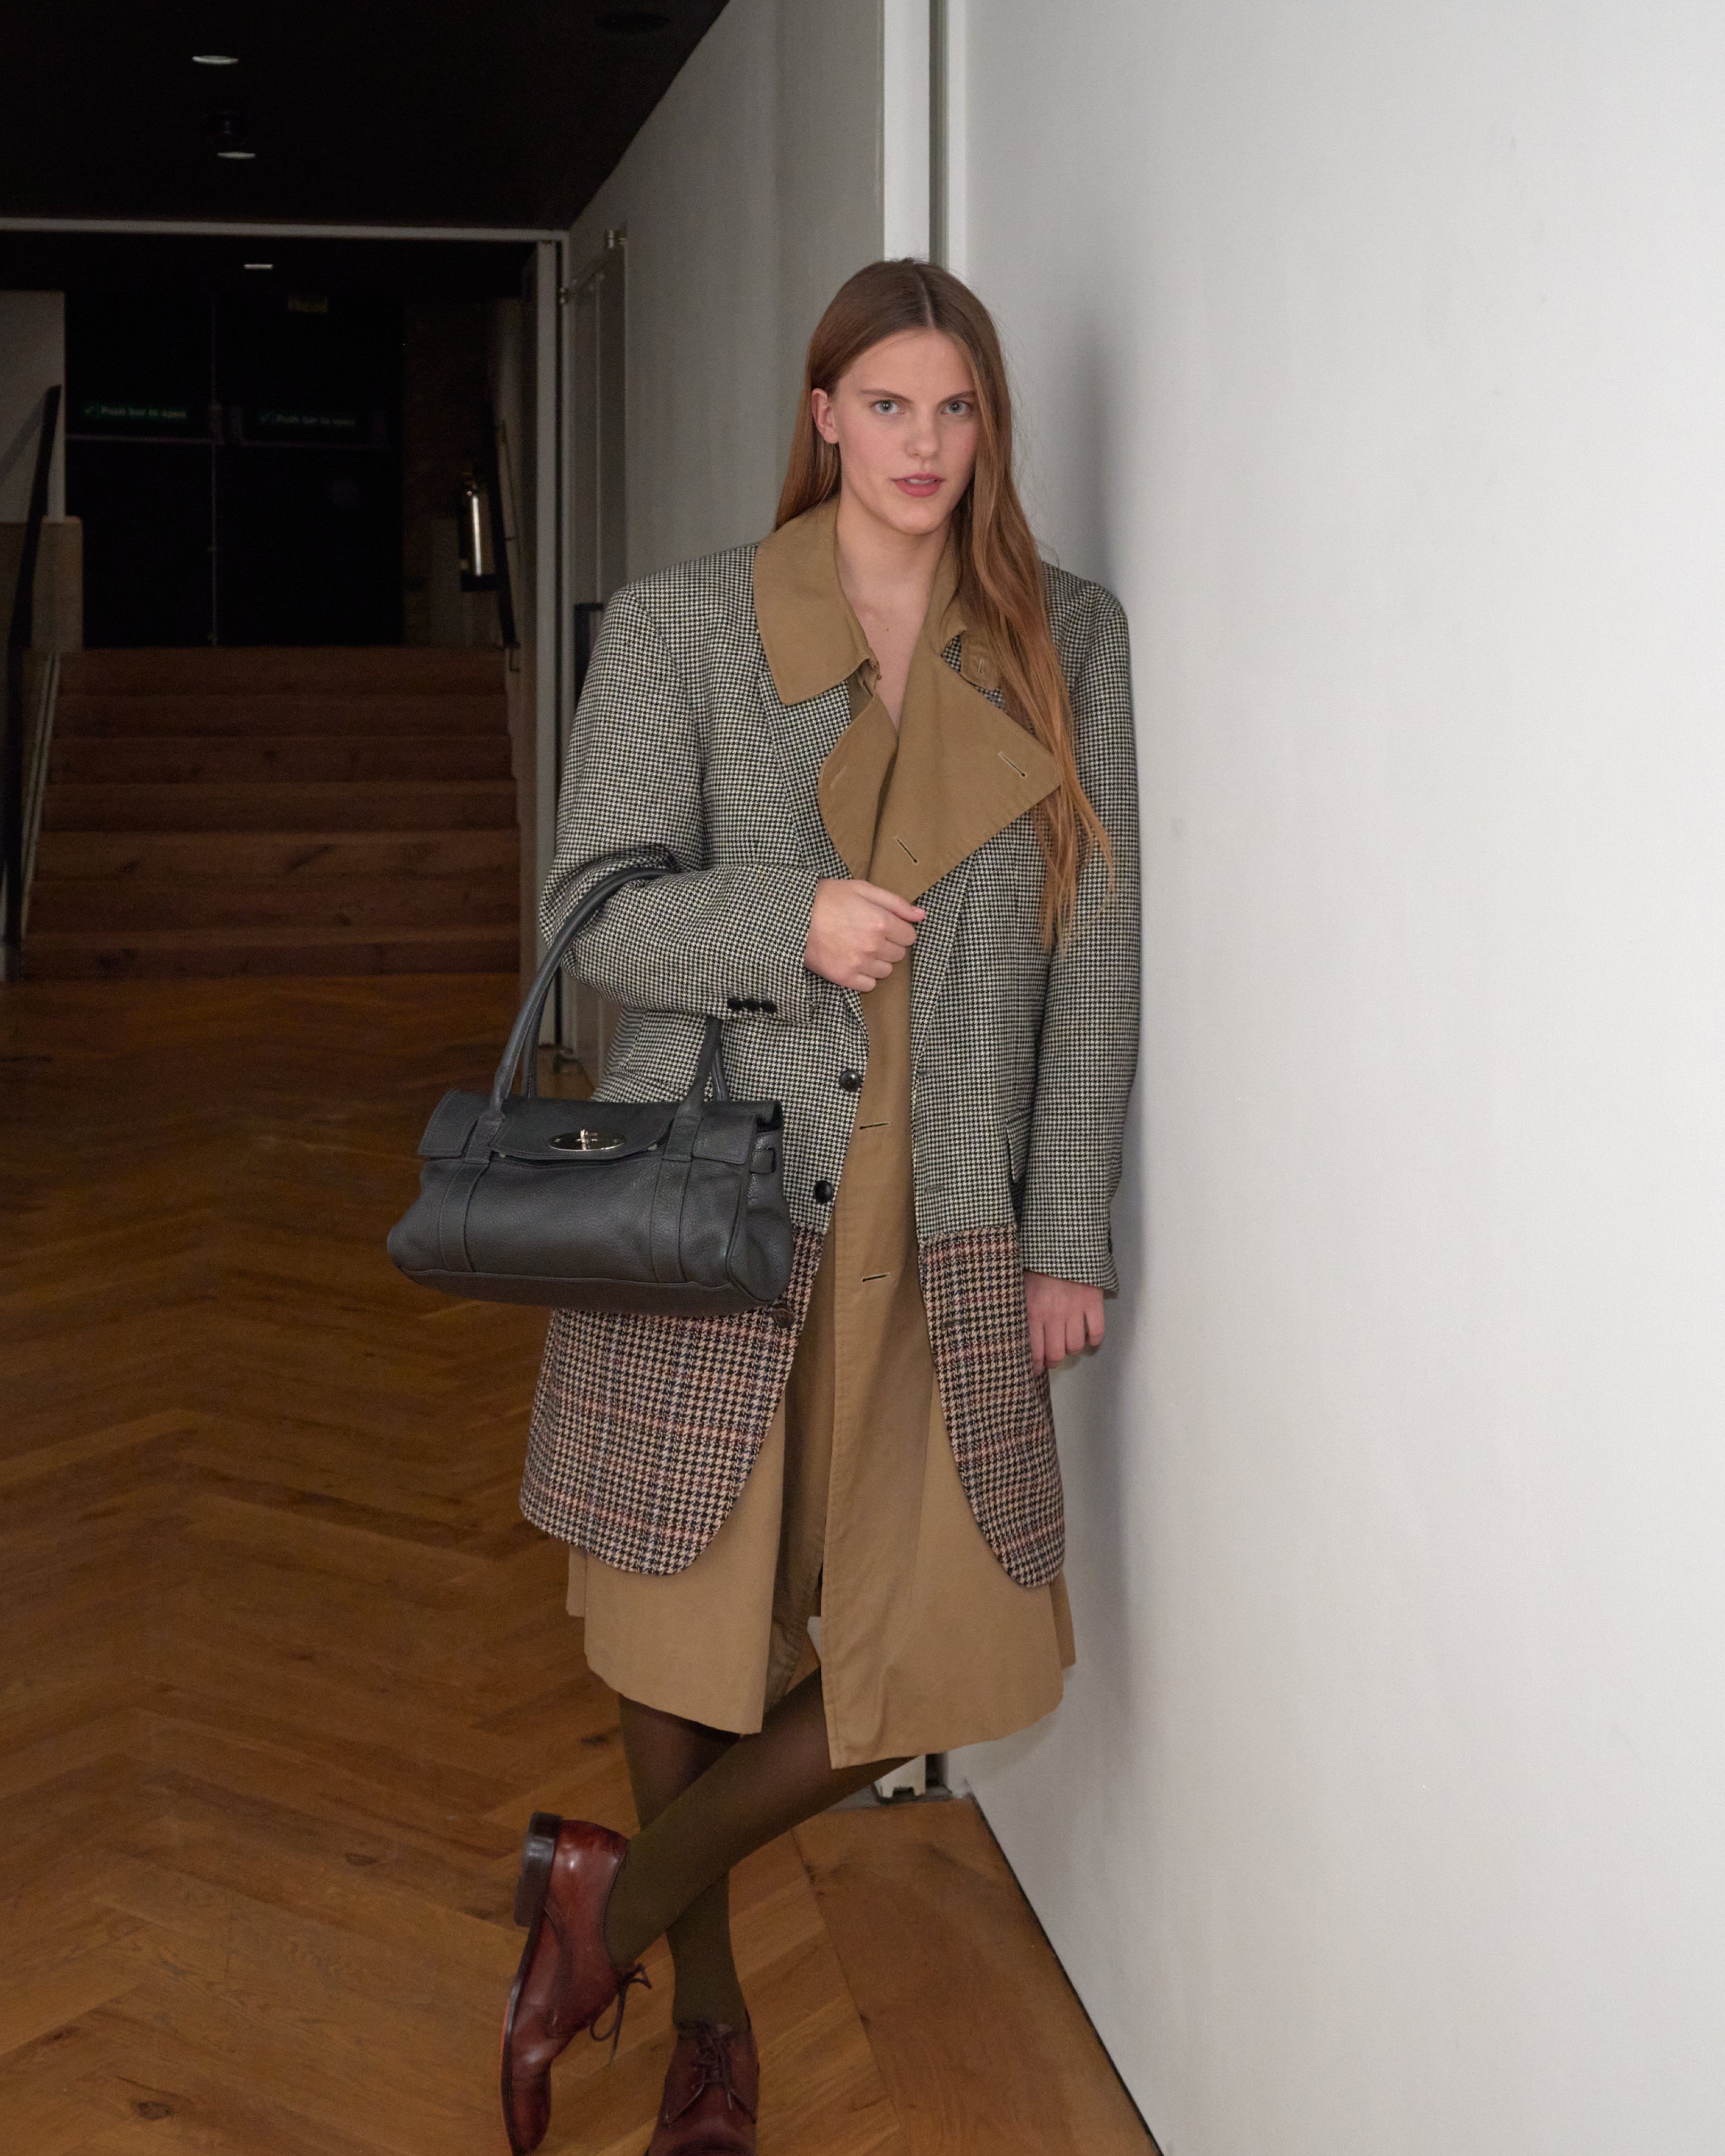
(886, 404)
(959, 407)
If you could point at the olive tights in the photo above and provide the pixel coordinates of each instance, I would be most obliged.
(706, 1800)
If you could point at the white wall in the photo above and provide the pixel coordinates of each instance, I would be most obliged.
(752, 191)
(33, 354)
(1374, 353)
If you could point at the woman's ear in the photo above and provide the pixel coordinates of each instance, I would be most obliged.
(820, 406)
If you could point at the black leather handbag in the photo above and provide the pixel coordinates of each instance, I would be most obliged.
(673, 1207)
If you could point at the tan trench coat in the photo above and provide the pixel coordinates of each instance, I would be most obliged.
(854, 1511)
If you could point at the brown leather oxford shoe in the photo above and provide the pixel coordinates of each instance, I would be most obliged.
(711, 2093)
(566, 1980)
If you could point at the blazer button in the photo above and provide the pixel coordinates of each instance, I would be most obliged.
(822, 1192)
(851, 1081)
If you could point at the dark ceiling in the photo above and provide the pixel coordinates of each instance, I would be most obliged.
(500, 112)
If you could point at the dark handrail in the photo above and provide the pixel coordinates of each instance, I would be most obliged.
(18, 639)
(499, 544)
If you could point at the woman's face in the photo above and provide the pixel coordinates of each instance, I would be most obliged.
(904, 419)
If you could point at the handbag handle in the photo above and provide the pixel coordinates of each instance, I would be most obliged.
(524, 1034)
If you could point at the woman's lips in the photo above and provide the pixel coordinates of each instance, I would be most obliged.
(926, 484)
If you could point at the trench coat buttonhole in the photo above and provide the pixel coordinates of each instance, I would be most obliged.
(851, 1081)
(823, 1191)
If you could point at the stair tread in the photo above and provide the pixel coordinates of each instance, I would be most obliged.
(200, 740)
(234, 715)
(384, 833)
(124, 905)
(345, 786)
(328, 806)
(170, 939)
(393, 834)
(291, 666)
(495, 872)
(279, 760)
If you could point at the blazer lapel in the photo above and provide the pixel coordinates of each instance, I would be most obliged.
(804, 735)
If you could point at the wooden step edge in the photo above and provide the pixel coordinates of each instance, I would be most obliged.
(344, 786)
(322, 833)
(174, 939)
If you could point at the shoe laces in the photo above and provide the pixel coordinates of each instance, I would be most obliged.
(637, 1974)
(712, 2062)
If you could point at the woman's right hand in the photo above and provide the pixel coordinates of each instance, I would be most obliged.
(858, 931)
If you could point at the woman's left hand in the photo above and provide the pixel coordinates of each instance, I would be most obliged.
(1065, 1318)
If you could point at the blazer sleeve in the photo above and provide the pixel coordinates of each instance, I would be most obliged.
(1089, 1047)
(707, 940)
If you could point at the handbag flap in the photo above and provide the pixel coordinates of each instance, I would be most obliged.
(548, 1130)
(578, 1131)
(591, 1132)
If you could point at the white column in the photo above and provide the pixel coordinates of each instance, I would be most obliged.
(548, 580)
(904, 126)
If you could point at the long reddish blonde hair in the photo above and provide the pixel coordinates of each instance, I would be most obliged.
(1000, 581)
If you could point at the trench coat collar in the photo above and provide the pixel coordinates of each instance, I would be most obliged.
(812, 637)
(957, 770)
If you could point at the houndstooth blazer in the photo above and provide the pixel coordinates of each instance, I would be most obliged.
(715, 694)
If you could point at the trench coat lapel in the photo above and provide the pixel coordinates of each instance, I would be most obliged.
(851, 781)
(964, 771)
(812, 643)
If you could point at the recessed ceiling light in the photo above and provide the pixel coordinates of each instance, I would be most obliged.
(257, 266)
(230, 131)
(215, 59)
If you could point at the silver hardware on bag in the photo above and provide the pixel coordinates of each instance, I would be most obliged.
(588, 1141)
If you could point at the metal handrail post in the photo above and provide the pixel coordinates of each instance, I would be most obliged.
(493, 476)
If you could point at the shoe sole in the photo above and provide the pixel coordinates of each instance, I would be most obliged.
(533, 1884)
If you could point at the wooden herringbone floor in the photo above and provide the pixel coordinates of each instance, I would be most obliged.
(283, 1671)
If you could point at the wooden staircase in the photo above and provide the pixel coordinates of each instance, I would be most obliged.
(311, 812)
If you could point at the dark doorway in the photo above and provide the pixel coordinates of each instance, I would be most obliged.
(236, 460)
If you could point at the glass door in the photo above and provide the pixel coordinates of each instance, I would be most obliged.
(236, 462)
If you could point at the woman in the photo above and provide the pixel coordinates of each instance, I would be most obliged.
(892, 754)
